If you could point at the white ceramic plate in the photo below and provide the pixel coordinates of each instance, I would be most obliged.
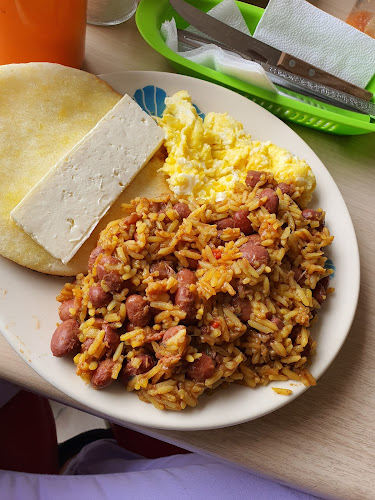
(28, 310)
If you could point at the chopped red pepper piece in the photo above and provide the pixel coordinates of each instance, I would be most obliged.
(215, 324)
(217, 253)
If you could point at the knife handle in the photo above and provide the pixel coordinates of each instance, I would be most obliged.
(301, 68)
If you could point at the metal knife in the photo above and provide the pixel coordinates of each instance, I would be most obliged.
(279, 63)
(194, 40)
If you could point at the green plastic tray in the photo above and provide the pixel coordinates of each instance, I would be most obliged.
(311, 112)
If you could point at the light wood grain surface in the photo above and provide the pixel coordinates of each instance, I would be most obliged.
(324, 441)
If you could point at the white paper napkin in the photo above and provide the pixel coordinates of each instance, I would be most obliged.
(308, 33)
(214, 57)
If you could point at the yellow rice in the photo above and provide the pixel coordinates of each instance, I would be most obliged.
(250, 353)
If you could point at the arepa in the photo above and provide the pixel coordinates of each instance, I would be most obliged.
(45, 109)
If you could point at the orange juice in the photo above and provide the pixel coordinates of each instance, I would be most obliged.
(360, 19)
(43, 30)
(362, 16)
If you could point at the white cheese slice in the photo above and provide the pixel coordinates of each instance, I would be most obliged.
(63, 208)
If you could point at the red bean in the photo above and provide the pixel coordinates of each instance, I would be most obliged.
(86, 344)
(325, 281)
(128, 326)
(255, 254)
(242, 222)
(114, 282)
(201, 369)
(299, 275)
(183, 210)
(224, 223)
(218, 358)
(98, 297)
(131, 219)
(310, 214)
(156, 206)
(105, 261)
(163, 268)
(320, 291)
(93, 256)
(111, 339)
(112, 278)
(171, 332)
(64, 310)
(184, 298)
(296, 330)
(186, 277)
(272, 202)
(253, 177)
(102, 376)
(277, 322)
(65, 338)
(235, 283)
(193, 263)
(306, 350)
(255, 239)
(243, 308)
(138, 310)
(129, 371)
(286, 188)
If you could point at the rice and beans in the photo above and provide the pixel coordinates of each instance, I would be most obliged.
(183, 296)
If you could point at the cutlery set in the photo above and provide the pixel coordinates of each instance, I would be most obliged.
(283, 69)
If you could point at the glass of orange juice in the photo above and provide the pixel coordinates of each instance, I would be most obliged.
(43, 30)
(362, 16)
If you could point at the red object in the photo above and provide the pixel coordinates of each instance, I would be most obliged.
(29, 442)
(145, 446)
(215, 324)
(28, 435)
(216, 253)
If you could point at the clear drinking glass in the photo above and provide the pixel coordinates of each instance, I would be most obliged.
(362, 17)
(109, 12)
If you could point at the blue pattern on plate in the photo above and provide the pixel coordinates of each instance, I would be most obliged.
(151, 99)
(200, 113)
(330, 265)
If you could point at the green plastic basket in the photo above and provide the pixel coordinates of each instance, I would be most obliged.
(310, 113)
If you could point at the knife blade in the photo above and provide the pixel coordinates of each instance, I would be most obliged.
(289, 81)
(261, 52)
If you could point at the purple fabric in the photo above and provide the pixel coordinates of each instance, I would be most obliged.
(102, 471)
(177, 477)
(7, 392)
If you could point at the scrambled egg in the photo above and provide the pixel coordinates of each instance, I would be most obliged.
(207, 157)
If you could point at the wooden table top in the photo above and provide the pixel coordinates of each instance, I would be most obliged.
(324, 440)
